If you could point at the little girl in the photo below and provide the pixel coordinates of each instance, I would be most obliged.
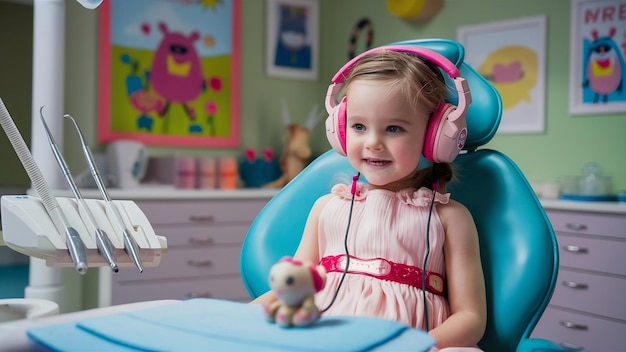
(401, 220)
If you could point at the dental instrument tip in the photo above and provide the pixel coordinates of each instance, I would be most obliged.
(115, 268)
(81, 268)
(132, 249)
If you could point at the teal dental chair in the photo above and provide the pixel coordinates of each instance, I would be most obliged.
(518, 246)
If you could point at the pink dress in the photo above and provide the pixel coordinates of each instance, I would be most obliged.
(389, 225)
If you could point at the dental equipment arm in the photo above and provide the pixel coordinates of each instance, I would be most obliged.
(74, 243)
(105, 247)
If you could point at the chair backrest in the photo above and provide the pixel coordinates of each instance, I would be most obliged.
(518, 246)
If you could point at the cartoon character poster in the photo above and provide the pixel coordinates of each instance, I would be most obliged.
(598, 52)
(511, 56)
(292, 38)
(169, 72)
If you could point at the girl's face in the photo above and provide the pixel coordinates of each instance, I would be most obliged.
(384, 135)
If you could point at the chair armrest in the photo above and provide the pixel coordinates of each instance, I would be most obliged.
(541, 345)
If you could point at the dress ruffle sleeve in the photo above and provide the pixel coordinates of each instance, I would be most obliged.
(422, 197)
(344, 191)
(419, 198)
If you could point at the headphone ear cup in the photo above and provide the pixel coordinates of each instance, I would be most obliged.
(445, 138)
(336, 128)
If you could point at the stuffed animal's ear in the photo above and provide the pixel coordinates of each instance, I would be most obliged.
(284, 112)
(313, 117)
(319, 277)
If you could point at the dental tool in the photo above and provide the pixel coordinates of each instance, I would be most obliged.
(130, 244)
(105, 247)
(74, 243)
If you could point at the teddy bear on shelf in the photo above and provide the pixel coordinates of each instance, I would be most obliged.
(295, 285)
(296, 153)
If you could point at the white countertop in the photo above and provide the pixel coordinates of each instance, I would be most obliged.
(166, 192)
(595, 207)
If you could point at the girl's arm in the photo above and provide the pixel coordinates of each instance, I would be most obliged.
(308, 250)
(465, 280)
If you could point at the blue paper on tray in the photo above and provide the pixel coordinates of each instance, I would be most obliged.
(221, 325)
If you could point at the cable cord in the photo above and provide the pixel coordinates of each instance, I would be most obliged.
(345, 242)
(430, 213)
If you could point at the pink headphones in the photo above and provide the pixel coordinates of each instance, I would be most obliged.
(447, 129)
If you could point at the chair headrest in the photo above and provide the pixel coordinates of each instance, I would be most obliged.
(484, 113)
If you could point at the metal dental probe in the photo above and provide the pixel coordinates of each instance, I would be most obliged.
(74, 243)
(105, 247)
(130, 245)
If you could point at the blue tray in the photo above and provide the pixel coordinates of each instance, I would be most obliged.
(588, 198)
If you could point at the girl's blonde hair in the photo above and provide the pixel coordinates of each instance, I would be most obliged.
(420, 83)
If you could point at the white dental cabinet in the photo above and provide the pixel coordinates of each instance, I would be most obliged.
(204, 230)
(587, 309)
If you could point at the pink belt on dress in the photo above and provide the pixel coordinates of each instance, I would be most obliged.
(384, 269)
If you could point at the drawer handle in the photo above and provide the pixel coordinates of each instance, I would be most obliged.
(200, 263)
(576, 285)
(575, 249)
(573, 326)
(205, 294)
(201, 241)
(576, 226)
(571, 346)
(201, 218)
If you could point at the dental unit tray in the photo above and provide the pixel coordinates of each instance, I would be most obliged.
(27, 228)
(75, 232)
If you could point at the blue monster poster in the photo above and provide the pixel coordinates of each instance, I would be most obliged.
(598, 66)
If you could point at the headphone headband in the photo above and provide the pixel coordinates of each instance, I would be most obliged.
(432, 56)
(447, 129)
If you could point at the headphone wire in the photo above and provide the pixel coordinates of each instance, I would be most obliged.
(345, 243)
(430, 213)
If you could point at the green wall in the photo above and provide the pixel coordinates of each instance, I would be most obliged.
(567, 143)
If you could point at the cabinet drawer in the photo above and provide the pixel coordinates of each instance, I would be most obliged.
(231, 288)
(596, 254)
(189, 262)
(582, 331)
(201, 211)
(597, 294)
(591, 224)
(203, 235)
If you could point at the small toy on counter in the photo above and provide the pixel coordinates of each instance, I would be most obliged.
(255, 172)
(296, 154)
(295, 285)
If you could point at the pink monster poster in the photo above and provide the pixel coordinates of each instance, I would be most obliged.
(169, 72)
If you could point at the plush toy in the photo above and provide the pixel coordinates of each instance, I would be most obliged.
(295, 285)
(296, 154)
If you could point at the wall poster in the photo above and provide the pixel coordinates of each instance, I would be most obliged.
(597, 64)
(510, 54)
(169, 72)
